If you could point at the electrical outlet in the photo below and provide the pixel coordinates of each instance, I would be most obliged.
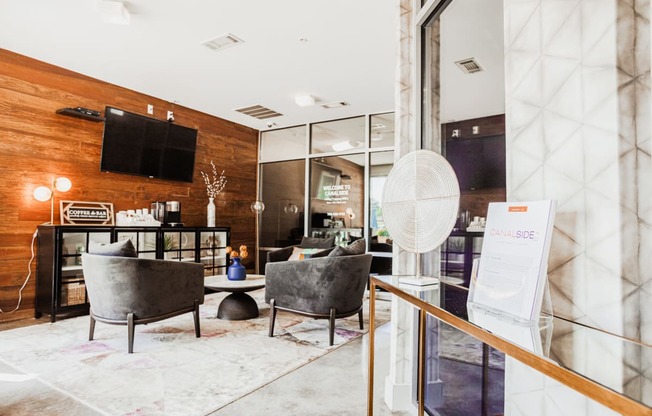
(150, 109)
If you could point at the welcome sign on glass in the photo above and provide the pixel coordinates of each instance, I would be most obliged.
(514, 263)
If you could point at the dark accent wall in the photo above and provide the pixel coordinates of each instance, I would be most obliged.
(36, 144)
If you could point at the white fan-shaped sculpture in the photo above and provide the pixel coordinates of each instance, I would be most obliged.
(420, 201)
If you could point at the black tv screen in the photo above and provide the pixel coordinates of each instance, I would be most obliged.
(479, 162)
(139, 145)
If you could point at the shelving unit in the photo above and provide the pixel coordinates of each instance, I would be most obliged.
(72, 113)
(458, 252)
(60, 286)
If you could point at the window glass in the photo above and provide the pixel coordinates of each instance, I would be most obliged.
(382, 130)
(379, 167)
(283, 144)
(337, 197)
(338, 135)
(282, 191)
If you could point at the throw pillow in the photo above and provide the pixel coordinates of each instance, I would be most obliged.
(122, 249)
(304, 253)
(314, 242)
(357, 247)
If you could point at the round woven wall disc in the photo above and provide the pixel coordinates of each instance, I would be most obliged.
(421, 198)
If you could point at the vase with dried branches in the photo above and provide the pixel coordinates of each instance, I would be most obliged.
(214, 186)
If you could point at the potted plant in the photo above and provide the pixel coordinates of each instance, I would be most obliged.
(383, 235)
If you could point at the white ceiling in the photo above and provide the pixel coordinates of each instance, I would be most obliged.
(349, 54)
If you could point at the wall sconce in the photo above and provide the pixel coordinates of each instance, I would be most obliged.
(43, 193)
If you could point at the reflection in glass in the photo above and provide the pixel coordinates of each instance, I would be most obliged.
(337, 197)
(338, 136)
(282, 187)
(450, 94)
(382, 130)
(283, 144)
(381, 164)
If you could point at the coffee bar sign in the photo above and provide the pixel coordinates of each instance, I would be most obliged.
(86, 213)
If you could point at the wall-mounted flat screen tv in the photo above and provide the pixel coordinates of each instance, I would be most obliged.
(479, 163)
(139, 145)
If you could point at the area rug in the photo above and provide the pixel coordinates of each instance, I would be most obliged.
(170, 372)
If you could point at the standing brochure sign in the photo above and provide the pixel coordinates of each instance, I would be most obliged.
(512, 274)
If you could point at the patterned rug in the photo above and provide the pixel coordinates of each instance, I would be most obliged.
(170, 372)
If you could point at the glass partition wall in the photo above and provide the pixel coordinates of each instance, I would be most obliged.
(325, 179)
(462, 107)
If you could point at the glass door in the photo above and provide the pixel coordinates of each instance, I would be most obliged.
(212, 252)
(178, 245)
(73, 245)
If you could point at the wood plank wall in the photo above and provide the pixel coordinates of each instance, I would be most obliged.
(36, 144)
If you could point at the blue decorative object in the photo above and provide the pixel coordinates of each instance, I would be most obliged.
(236, 271)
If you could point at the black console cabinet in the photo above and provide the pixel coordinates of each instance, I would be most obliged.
(60, 287)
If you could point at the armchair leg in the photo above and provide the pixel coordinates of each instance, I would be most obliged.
(360, 319)
(91, 331)
(195, 315)
(272, 317)
(331, 327)
(130, 332)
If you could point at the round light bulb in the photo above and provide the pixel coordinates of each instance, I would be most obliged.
(257, 207)
(42, 193)
(63, 184)
(291, 208)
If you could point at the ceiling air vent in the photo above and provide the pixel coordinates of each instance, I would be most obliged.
(335, 104)
(222, 42)
(469, 66)
(259, 112)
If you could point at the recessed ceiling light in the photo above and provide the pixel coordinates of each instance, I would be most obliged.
(304, 100)
(335, 104)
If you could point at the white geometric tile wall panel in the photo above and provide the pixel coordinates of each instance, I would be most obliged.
(557, 128)
(565, 94)
(598, 27)
(529, 393)
(516, 16)
(563, 40)
(566, 288)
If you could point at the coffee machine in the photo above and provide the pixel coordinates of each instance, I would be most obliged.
(168, 213)
(173, 214)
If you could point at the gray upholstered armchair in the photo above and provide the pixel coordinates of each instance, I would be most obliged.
(325, 287)
(130, 291)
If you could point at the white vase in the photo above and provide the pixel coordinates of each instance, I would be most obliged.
(210, 211)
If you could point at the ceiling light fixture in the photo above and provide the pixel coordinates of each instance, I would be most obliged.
(376, 136)
(304, 100)
(345, 145)
(113, 12)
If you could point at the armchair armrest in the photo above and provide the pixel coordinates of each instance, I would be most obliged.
(282, 254)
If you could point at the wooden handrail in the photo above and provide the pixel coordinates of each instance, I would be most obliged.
(575, 381)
